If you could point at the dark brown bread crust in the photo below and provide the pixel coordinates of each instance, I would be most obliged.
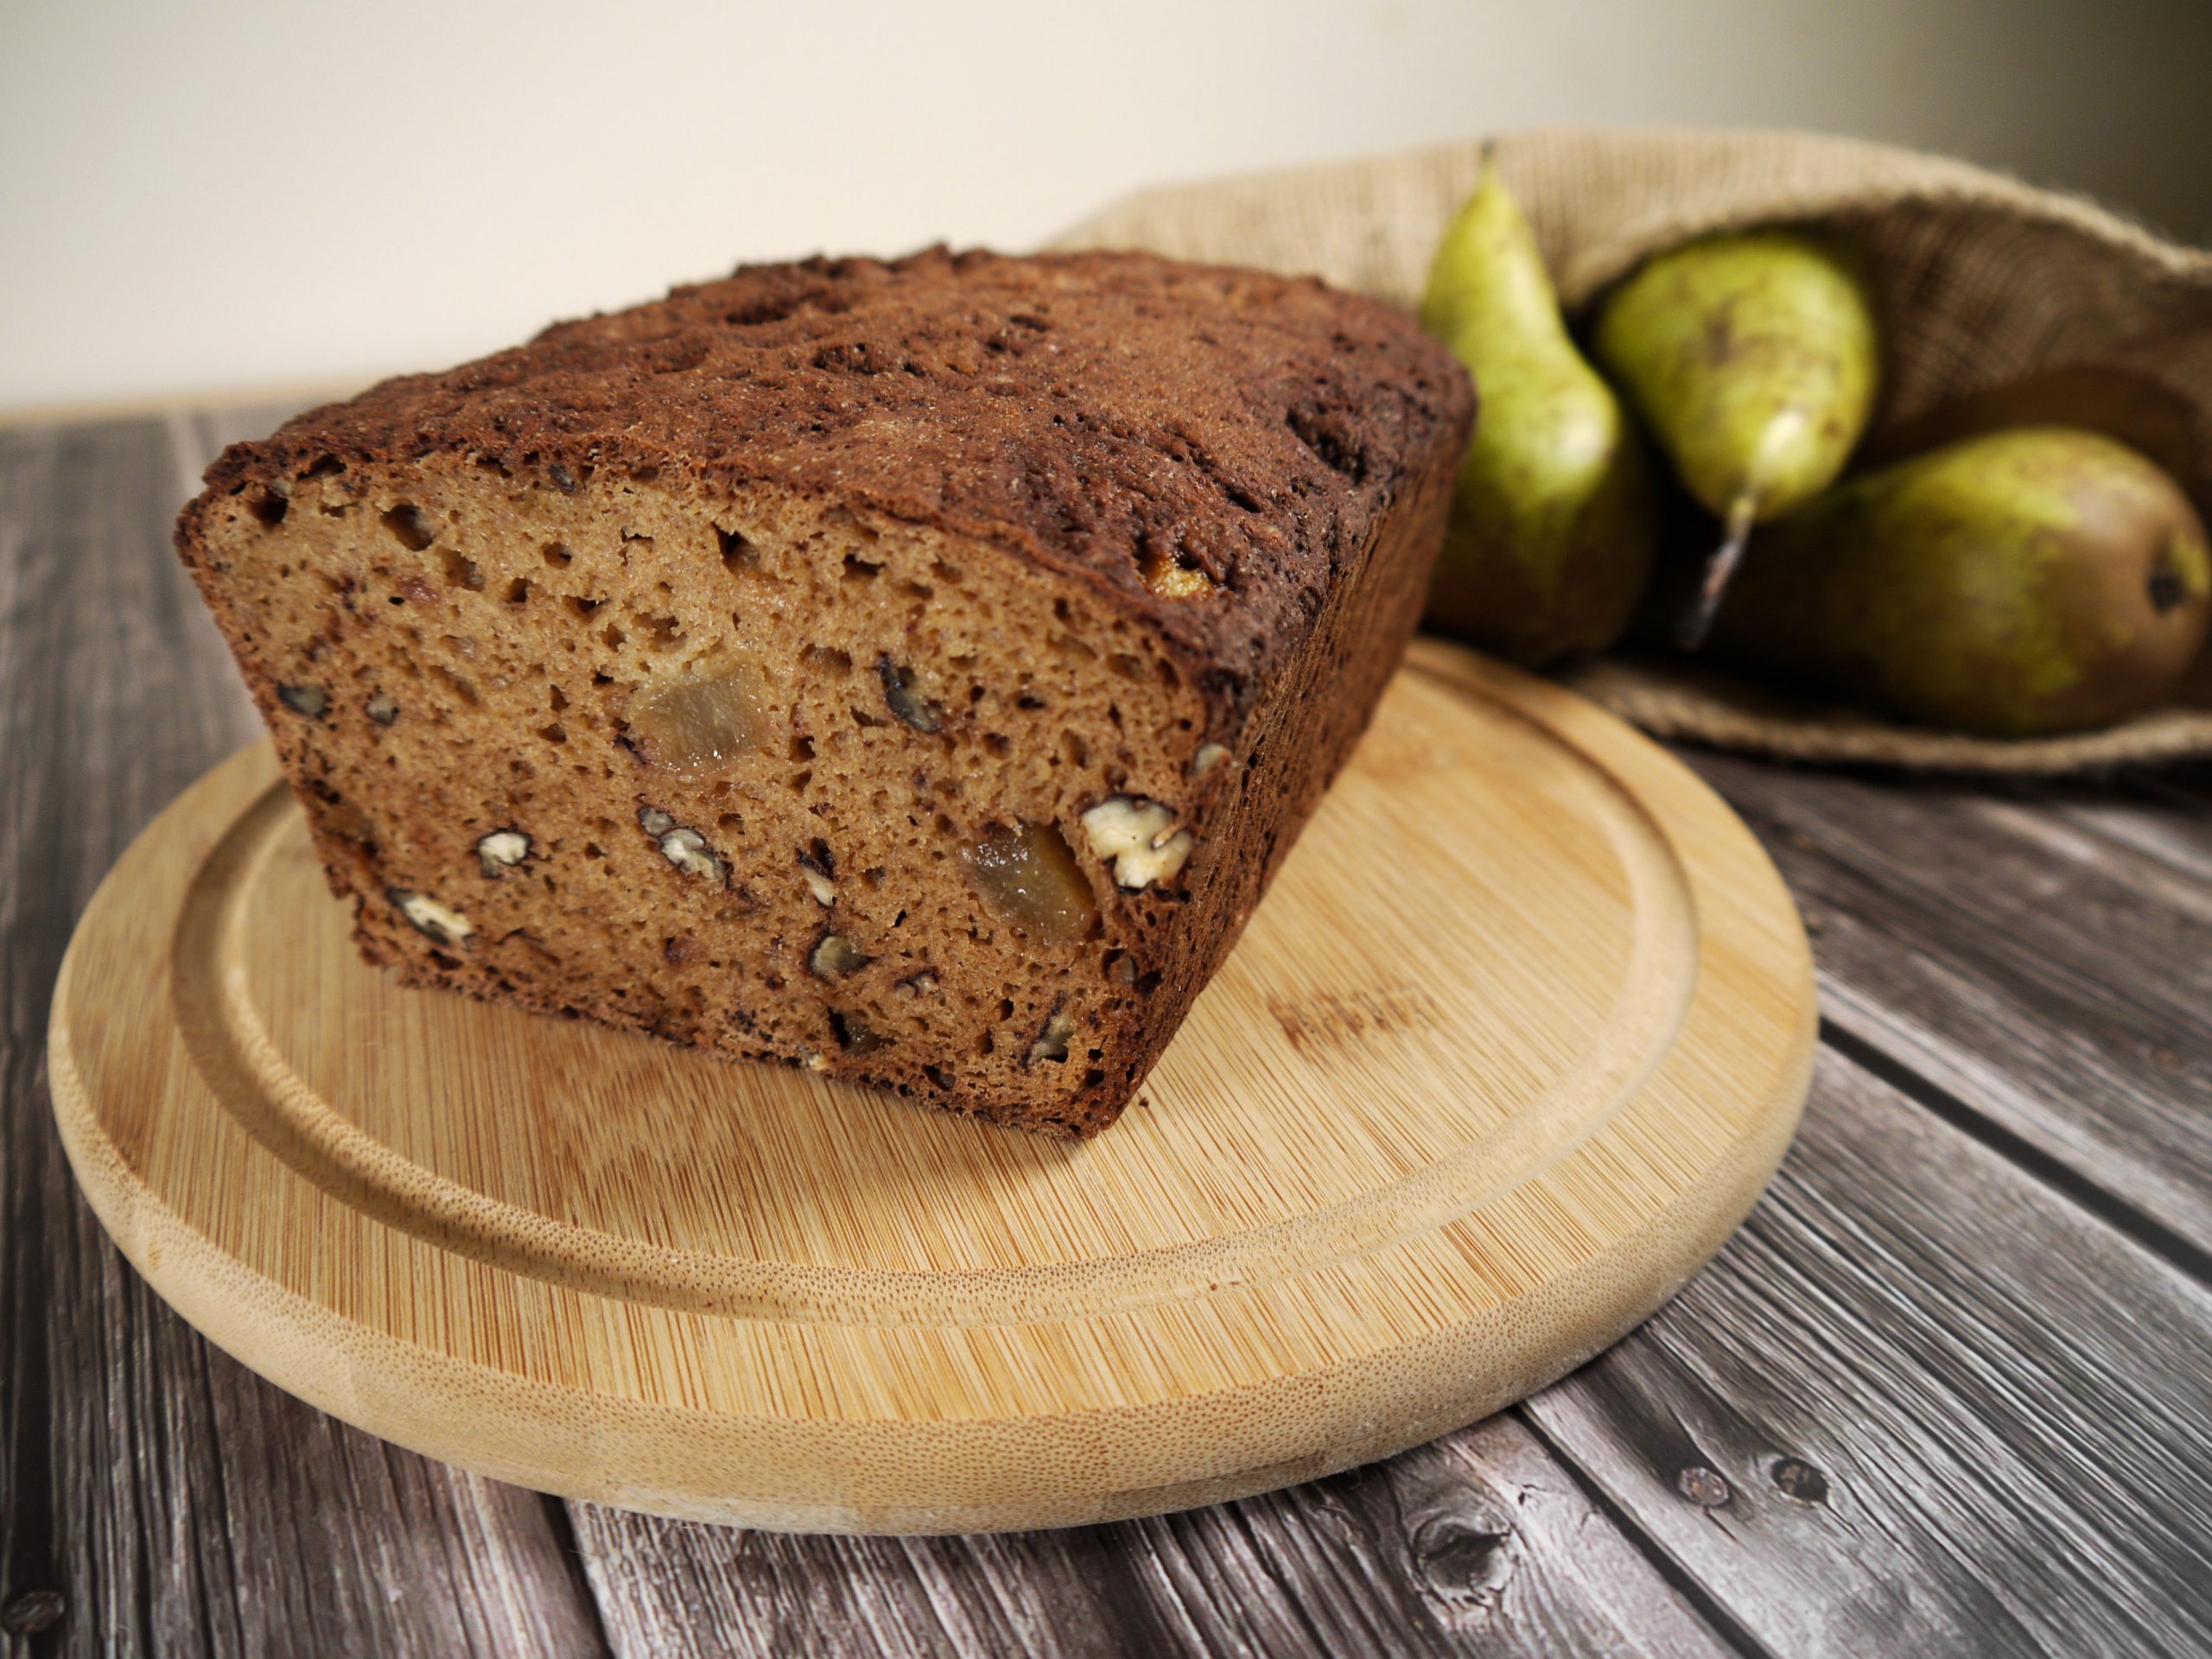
(1254, 470)
(1113, 415)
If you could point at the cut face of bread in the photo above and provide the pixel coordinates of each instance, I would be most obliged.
(758, 763)
(761, 773)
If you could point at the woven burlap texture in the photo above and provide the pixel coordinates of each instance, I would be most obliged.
(1986, 286)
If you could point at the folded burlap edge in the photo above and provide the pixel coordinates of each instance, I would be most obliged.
(1296, 218)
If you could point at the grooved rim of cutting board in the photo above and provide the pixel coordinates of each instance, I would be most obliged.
(1516, 1040)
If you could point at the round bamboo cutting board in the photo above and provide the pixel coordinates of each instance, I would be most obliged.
(1517, 1040)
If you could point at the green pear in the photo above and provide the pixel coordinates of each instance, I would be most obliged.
(1550, 538)
(1753, 357)
(2046, 579)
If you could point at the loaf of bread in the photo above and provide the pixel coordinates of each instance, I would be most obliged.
(911, 671)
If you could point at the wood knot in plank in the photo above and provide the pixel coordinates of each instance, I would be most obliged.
(33, 1612)
(1464, 1559)
(1800, 1479)
(1706, 1488)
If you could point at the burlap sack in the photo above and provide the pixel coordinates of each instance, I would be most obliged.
(1988, 286)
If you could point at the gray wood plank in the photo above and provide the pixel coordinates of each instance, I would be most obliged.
(1475, 1544)
(2165, 814)
(1921, 1404)
(173, 1501)
(2052, 977)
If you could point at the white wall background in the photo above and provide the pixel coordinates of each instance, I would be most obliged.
(195, 197)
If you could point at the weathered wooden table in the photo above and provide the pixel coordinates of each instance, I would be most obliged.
(1950, 1390)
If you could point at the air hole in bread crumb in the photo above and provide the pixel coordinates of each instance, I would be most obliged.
(518, 591)
(462, 571)
(1073, 648)
(613, 636)
(859, 570)
(853, 1034)
(827, 660)
(411, 526)
(556, 554)
(584, 608)
(739, 554)
(269, 507)
(556, 733)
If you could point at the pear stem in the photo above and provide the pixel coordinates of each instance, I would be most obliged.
(1697, 621)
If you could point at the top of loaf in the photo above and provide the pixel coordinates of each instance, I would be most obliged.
(1210, 444)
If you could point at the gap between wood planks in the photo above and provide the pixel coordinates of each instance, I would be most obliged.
(2051, 981)
(2185, 1253)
